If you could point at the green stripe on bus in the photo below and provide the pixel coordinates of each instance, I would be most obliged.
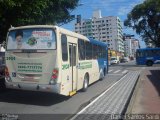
(65, 66)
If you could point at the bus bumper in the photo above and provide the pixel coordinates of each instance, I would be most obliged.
(33, 87)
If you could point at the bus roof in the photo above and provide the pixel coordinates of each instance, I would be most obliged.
(148, 49)
(97, 42)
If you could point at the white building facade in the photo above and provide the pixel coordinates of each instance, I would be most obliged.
(106, 29)
(130, 46)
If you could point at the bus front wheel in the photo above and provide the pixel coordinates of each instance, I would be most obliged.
(85, 83)
(149, 63)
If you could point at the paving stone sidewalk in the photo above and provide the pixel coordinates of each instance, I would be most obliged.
(112, 101)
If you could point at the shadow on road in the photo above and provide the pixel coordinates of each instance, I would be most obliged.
(133, 65)
(127, 65)
(31, 98)
(155, 79)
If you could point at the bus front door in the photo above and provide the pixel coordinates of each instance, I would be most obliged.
(73, 64)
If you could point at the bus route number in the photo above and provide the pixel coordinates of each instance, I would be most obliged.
(10, 58)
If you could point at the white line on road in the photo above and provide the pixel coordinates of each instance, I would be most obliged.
(115, 74)
(143, 67)
(74, 117)
(125, 71)
(117, 71)
(110, 70)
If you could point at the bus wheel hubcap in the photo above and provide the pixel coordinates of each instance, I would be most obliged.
(85, 84)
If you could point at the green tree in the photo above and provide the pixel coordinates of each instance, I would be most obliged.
(145, 20)
(29, 12)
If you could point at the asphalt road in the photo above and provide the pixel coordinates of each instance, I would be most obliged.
(26, 102)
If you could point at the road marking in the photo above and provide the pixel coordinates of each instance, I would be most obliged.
(115, 74)
(73, 118)
(110, 70)
(143, 67)
(117, 71)
(125, 71)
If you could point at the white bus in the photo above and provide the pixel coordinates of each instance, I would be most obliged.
(52, 59)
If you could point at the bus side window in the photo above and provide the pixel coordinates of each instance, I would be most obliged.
(158, 52)
(95, 51)
(88, 50)
(64, 47)
(81, 49)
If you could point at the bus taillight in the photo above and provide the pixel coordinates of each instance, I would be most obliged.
(54, 76)
(6, 72)
(7, 76)
(55, 72)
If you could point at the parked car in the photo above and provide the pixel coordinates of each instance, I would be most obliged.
(114, 60)
(125, 59)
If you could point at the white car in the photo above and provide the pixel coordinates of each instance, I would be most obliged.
(114, 60)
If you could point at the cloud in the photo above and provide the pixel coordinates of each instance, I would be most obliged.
(117, 7)
(124, 10)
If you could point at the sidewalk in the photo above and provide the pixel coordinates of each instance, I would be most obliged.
(112, 103)
(147, 94)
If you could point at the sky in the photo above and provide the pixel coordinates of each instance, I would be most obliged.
(118, 8)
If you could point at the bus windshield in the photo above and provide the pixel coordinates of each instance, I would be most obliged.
(32, 38)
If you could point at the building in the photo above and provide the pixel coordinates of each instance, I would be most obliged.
(135, 46)
(106, 29)
(130, 45)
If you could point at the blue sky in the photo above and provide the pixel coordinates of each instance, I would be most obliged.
(118, 8)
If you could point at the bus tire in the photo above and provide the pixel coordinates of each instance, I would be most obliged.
(149, 63)
(85, 83)
(103, 74)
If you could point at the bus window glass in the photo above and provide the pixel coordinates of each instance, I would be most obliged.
(64, 48)
(158, 52)
(81, 46)
(103, 52)
(88, 50)
(31, 38)
(74, 55)
(95, 51)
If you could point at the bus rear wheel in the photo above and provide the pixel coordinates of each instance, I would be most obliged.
(85, 83)
(103, 74)
(149, 63)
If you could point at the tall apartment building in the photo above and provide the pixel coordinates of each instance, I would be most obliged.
(106, 29)
(130, 45)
